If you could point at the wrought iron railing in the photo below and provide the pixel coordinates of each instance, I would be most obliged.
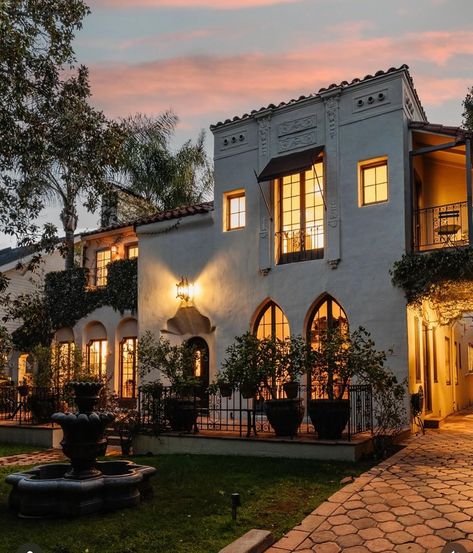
(236, 415)
(32, 404)
(300, 244)
(441, 226)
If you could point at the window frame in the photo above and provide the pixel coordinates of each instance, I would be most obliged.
(302, 254)
(102, 369)
(228, 197)
(271, 306)
(104, 277)
(134, 366)
(370, 164)
(128, 247)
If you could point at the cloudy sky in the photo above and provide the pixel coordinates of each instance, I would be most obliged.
(209, 60)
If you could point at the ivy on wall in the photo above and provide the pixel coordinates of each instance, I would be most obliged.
(421, 275)
(68, 298)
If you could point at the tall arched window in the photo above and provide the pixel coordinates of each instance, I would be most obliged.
(271, 322)
(327, 314)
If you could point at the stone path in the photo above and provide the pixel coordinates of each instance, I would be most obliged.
(416, 501)
(33, 458)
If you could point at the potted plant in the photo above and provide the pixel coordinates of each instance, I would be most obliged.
(221, 385)
(284, 361)
(175, 363)
(242, 366)
(340, 357)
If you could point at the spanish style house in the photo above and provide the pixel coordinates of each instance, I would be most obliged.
(315, 200)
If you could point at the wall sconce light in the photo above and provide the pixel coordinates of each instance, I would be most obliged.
(185, 290)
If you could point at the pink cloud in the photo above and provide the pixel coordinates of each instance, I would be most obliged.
(211, 87)
(212, 4)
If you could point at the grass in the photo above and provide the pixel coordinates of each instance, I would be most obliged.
(190, 511)
(7, 449)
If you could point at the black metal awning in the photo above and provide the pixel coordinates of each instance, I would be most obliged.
(292, 163)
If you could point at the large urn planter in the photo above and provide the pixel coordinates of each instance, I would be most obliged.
(284, 415)
(181, 413)
(329, 417)
(291, 389)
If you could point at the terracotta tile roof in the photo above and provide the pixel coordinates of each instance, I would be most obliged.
(176, 213)
(343, 84)
(457, 132)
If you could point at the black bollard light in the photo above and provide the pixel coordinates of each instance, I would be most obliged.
(235, 504)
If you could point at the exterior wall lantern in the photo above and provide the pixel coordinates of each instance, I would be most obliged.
(185, 290)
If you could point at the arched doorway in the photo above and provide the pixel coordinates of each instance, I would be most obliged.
(201, 360)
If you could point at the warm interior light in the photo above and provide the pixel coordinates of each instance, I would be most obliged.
(185, 290)
(114, 249)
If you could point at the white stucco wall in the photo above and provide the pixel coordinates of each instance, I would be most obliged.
(362, 242)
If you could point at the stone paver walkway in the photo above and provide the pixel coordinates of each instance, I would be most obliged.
(416, 501)
(33, 458)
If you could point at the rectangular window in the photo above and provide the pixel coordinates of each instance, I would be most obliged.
(235, 210)
(455, 353)
(131, 251)
(102, 259)
(302, 215)
(448, 366)
(417, 349)
(434, 351)
(373, 176)
(97, 357)
(470, 358)
(128, 368)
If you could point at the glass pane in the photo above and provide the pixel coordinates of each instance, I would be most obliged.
(370, 195)
(369, 176)
(382, 173)
(382, 192)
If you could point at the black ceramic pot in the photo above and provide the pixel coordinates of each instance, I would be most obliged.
(181, 413)
(329, 417)
(284, 415)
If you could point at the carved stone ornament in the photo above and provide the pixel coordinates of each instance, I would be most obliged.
(297, 125)
(263, 131)
(333, 263)
(297, 141)
(331, 106)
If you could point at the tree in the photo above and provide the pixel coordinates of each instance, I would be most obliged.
(54, 144)
(166, 179)
(36, 38)
(468, 110)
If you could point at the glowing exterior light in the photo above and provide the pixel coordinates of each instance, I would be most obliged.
(184, 290)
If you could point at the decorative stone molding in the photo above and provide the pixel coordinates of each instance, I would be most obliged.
(297, 141)
(297, 125)
(371, 100)
(264, 128)
(331, 109)
(232, 140)
(333, 263)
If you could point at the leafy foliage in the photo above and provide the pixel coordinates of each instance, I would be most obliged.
(166, 179)
(173, 362)
(418, 274)
(122, 284)
(468, 110)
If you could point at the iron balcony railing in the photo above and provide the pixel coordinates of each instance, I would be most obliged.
(300, 244)
(236, 415)
(441, 226)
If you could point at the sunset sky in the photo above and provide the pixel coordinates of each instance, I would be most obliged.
(209, 60)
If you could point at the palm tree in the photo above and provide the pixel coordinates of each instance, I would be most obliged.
(164, 178)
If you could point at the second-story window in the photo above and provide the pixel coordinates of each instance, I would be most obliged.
(374, 181)
(131, 251)
(235, 210)
(102, 259)
(301, 215)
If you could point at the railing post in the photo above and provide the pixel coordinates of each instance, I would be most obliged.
(469, 191)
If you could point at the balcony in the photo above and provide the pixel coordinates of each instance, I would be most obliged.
(300, 244)
(441, 226)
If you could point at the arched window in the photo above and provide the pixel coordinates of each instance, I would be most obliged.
(201, 359)
(271, 322)
(327, 314)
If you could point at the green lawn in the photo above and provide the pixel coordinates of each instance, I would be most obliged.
(7, 449)
(190, 511)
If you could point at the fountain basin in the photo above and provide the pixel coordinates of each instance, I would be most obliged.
(45, 491)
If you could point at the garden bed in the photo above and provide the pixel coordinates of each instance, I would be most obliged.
(191, 508)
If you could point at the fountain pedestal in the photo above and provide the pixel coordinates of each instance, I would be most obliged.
(85, 485)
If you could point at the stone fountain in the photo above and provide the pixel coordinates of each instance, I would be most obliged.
(84, 485)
